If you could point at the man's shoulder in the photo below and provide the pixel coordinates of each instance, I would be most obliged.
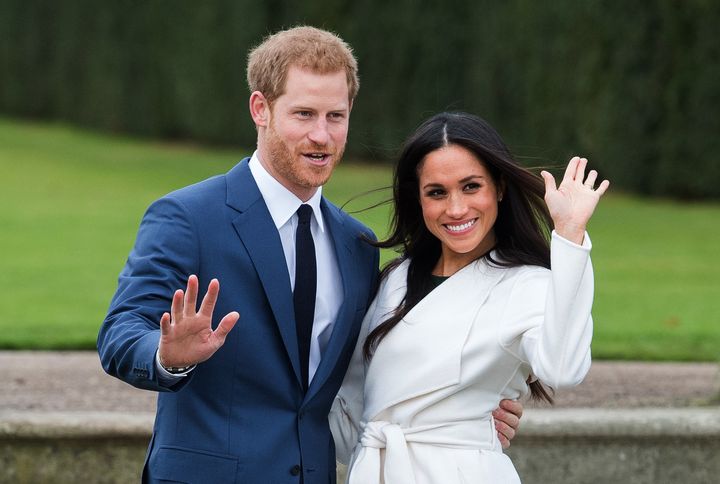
(208, 191)
(208, 186)
(350, 222)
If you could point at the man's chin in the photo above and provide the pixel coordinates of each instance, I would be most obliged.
(318, 181)
(317, 178)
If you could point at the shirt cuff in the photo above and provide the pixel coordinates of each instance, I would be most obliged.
(166, 378)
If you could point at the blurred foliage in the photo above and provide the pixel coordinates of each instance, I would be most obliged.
(632, 85)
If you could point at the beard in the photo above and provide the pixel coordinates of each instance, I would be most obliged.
(293, 167)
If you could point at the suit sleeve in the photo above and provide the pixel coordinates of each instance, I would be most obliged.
(548, 316)
(165, 254)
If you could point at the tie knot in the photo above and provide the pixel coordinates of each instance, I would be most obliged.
(304, 213)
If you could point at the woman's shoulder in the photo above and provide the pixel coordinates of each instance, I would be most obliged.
(394, 275)
(495, 261)
(528, 279)
(512, 274)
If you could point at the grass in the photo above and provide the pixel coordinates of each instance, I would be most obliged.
(71, 201)
(657, 280)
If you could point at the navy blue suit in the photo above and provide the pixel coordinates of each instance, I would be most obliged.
(241, 416)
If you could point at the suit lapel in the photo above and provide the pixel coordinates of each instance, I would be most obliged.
(258, 233)
(343, 241)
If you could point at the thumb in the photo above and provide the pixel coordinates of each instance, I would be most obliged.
(550, 185)
(226, 324)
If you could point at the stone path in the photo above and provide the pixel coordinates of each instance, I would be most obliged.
(74, 381)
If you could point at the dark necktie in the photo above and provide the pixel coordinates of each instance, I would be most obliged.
(305, 286)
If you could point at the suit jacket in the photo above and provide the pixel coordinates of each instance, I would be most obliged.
(420, 411)
(241, 416)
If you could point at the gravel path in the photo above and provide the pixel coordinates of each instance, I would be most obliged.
(74, 381)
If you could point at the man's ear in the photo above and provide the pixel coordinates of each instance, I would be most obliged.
(259, 109)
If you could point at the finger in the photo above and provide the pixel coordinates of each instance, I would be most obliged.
(191, 296)
(176, 309)
(165, 324)
(503, 440)
(512, 406)
(571, 168)
(580, 173)
(590, 181)
(226, 325)
(603, 187)
(550, 185)
(208, 304)
(506, 418)
(505, 430)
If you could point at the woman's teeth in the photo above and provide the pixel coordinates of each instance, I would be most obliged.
(460, 228)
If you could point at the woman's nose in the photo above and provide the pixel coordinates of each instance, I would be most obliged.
(456, 207)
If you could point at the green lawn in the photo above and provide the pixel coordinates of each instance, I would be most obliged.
(71, 201)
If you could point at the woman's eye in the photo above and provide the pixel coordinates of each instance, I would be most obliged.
(436, 193)
(471, 187)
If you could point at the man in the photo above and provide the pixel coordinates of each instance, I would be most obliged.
(251, 404)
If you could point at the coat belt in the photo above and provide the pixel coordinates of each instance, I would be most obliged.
(366, 467)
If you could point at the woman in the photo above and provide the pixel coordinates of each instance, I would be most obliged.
(470, 312)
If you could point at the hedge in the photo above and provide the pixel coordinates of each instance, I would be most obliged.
(633, 85)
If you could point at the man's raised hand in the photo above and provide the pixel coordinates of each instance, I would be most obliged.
(186, 336)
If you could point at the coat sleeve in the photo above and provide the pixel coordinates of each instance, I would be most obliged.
(548, 322)
(164, 255)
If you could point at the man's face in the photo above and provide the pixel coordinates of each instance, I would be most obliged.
(306, 130)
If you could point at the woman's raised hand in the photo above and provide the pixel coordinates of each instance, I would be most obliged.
(572, 203)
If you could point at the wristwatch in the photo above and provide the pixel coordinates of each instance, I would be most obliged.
(175, 370)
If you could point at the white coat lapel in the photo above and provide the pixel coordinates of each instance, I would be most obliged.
(423, 352)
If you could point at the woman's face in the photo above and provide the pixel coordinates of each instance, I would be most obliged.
(459, 201)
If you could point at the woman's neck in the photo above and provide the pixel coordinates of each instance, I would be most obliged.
(450, 262)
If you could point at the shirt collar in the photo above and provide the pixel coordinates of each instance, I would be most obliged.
(281, 202)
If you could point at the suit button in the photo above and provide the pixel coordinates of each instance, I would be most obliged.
(295, 470)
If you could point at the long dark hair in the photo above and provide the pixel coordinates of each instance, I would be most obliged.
(521, 230)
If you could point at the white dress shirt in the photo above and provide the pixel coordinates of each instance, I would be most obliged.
(282, 205)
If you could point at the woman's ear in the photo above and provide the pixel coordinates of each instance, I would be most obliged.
(500, 190)
(259, 109)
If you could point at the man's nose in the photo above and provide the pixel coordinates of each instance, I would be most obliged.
(319, 133)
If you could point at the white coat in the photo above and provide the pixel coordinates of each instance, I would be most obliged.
(420, 411)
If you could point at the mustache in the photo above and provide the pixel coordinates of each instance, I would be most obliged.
(315, 147)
